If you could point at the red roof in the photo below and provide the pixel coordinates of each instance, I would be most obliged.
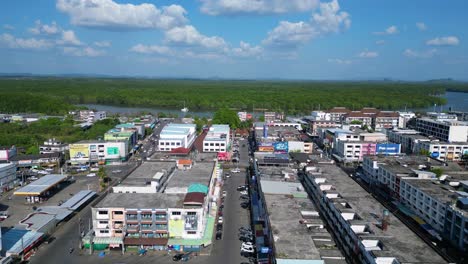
(184, 162)
(357, 114)
(388, 114)
(198, 144)
(180, 151)
(194, 198)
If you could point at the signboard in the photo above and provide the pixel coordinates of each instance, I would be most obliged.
(4, 154)
(388, 148)
(266, 148)
(435, 154)
(79, 151)
(281, 147)
(112, 151)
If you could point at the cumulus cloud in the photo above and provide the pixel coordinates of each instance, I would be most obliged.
(329, 19)
(153, 49)
(368, 54)
(8, 27)
(9, 41)
(69, 38)
(444, 41)
(82, 52)
(340, 61)
(189, 36)
(421, 26)
(234, 7)
(288, 34)
(109, 14)
(293, 34)
(246, 50)
(102, 44)
(391, 30)
(45, 29)
(418, 54)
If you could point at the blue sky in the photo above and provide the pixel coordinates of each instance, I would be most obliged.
(293, 39)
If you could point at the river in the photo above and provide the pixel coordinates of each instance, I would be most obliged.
(455, 100)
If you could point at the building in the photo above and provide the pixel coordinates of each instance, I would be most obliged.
(138, 126)
(41, 160)
(92, 116)
(358, 117)
(287, 204)
(217, 139)
(337, 113)
(6, 153)
(385, 120)
(404, 118)
(407, 138)
(53, 146)
(175, 136)
(123, 133)
(449, 131)
(442, 116)
(180, 213)
(95, 151)
(364, 230)
(456, 222)
(7, 176)
(41, 189)
(444, 151)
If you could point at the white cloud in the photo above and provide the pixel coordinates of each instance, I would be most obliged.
(12, 42)
(109, 14)
(189, 36)
(421, 26)
(154, 49)
(368, 54)
(340, 61)
(293, 34)
(329, 19)
(45, 29)
(102, 44)
(288, 34)
(82, 52)
(444, 41)
(380, 42)
(8, 27)
(69, 38)
(391, 30)
(233, 7)
(417, 54)
(246, 50)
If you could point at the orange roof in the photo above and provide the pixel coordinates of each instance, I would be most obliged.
(184, 162)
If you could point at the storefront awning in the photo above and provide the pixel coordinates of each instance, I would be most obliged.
(108, 240)
(131, 241)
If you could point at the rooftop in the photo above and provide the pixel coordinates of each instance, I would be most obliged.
(396, 240)
(142, 201)
(443, 192)
(179, 129)
(41, 185)
(200, 172)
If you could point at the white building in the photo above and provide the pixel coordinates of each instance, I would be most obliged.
(450, 131)
(7, 153)
(321, 116)
(408, 138)
(7, 176)
(92, 116)
(456, 223)
(298, 126)
(53, 146)
(217, 139)
(404, 118)
(444, 151)
(442, 116)
(175, 136)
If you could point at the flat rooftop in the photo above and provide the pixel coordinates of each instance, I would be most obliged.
(142, 201)
(41, 185)
(200, 172)
(292, 239)
(443, 192)
(148, 171)
(408, 160)
(398, 240)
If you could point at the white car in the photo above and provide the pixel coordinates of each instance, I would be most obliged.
(91, 175)
(224, 193)
(244, 193)
(220, 220)
(247, 249)
(236, 170)
(247, 244)
(43, 172)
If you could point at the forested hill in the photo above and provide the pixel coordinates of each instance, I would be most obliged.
(58, 95)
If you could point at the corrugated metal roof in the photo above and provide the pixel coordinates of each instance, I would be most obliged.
(78, 199)
(41, 185)
(15, 240)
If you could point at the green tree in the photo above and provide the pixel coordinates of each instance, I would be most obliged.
(34, 149)
(437, 171)
(226, 116)
(261, 118)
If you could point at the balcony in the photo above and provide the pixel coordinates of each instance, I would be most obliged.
(118, 216)
(133, 228)
(132, 217)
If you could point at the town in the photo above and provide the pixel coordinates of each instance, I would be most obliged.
(335, 186)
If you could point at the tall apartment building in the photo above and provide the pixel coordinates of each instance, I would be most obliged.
(449, 131)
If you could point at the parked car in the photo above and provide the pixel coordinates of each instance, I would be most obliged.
(247, 254)
(228, 175)
(220, 220)
(224, 193)
(245, 205)
(244, 198)
(91, 175)
(177, 257)
(219, 235)
(245, 229)
(244, 193)
(219, 227)
(247, 249)
(235, 170)
(242, 188)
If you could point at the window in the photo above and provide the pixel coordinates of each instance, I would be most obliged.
(211, 144)
(118, 231)
(102, 212)
(118, 213)
(103, 222)
(175, 213)
(191, 213)
(104, 231)
(206, 144)
(217, 144)
(191, 232)
(172, 143)
(223, 144)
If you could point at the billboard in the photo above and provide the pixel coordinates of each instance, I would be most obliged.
(112, 151)
(79, 151)
(281, 147)
(388, 148)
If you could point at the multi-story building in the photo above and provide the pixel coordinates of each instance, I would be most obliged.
(6, 153)
(217, 139)
(442, 116)
(175, 136)
(365, 231)
(407, 138)
(92, 116)
(444, 151)
(456, 223)
(337, 113)
(449, 131)
(404, 118)
(128, 134)
(53, 146)
(385, 120)
(7, 176)
(180, 213)
(104, 152)
(363, 119)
